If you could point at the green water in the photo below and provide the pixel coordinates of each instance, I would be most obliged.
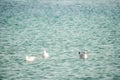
(63, 28)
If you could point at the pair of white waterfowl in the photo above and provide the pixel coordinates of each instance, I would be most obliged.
(45, 55)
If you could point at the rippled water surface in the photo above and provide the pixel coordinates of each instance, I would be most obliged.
(63, 28)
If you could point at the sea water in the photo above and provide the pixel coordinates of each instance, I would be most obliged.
(63, 28)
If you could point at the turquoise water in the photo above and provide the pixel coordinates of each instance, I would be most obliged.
(63, 28)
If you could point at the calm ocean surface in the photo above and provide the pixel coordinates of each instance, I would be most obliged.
(63, 28)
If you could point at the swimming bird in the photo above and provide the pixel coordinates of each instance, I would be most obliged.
(30, 58)
(83, 55)
(45, 55)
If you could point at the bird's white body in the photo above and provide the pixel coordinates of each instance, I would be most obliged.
(30, 58)
(85, 56)
(45, 55)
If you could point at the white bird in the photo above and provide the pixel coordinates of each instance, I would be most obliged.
(83, 55)
(30, 58)
(45, 55)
